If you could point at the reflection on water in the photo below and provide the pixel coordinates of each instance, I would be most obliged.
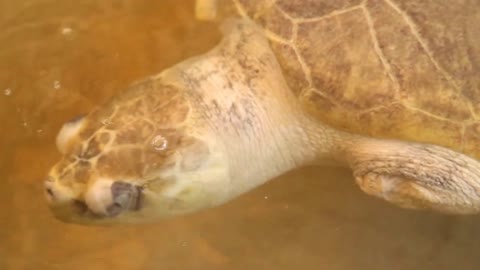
(60, 58)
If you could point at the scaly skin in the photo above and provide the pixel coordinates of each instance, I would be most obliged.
(218, 125)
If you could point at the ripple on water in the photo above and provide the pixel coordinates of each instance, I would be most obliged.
(66, 31)
(7, 92)
(56, 85)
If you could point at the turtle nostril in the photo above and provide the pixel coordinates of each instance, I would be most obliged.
(49, 190)
(50, 194)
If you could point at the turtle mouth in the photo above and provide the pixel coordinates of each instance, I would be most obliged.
(125, 197)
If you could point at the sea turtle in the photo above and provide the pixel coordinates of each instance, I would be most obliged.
(390, 89)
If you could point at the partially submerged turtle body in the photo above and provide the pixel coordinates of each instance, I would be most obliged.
(396, 69)
(292, 83)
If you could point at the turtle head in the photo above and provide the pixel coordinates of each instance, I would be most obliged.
(192, 137)
(141, 157)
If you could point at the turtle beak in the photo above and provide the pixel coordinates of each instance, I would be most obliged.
(107, 198)
(125, 196)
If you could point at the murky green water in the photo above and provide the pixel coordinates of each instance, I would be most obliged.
(60, 58)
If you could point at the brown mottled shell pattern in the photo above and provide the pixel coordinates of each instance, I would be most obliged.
(404, 69)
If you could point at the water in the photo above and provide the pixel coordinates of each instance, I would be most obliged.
(61, 58)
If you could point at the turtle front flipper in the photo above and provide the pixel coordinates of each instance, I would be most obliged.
(417, 176)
